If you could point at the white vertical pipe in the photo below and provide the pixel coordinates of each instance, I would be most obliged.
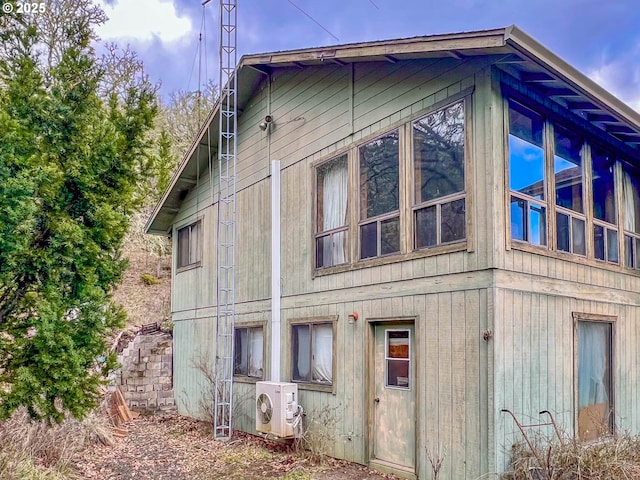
(275, 270)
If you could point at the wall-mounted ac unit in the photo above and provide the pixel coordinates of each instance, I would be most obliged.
(276, 408)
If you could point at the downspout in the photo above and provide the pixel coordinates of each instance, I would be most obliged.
(275, 270)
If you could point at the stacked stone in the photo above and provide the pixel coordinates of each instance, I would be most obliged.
(146, 378)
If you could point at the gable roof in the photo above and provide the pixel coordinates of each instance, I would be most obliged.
(513, 49)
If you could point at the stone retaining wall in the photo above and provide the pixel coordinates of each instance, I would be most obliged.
(146, 377)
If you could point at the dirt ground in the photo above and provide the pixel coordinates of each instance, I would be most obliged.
(169, 447)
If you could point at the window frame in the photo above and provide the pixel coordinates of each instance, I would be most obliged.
(592, 139)
(634, 236)
(311, 321)
(450, 198)
(198, 238)
(379, 219)
(250, 326)
(579, 317)
(331, 232)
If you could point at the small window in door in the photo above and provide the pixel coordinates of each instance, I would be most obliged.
(398, 359)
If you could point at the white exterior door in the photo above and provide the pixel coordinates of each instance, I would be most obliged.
(394, 395)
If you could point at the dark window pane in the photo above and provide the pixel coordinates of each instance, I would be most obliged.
(398, 358)
(538, 224)
(612, 245)
(604, 200)
(369, 240)
(255, 349)
(635, 253)
(331, 250)
(379, 176)
(426, 234)
(578, 231)
(628, 252)
(398, 373)
(525, 124)
(598, 241)
(562, 232)
(438, 141)
(240, 363)
(320, 248)
(453, 221)
(567, 167)
(390, 236)
(301, 352)
(518, 219)
(183, 247)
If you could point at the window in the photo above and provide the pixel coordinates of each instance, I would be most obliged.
(380, 196)
(631, 211)
(312, 352)
(567, 168)
(439, 177)
(189, 245)
(594, 376)
(398, 359)
(248, 351)
(331, 213)
(527, 175)
(605, 230)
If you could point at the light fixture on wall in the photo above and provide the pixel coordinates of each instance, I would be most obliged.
(353, 317)
(264, 124)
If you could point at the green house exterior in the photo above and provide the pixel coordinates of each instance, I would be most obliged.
(459, 223)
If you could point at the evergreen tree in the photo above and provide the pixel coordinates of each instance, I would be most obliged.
(71, 164)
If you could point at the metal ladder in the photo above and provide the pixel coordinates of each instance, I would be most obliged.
(227, 144)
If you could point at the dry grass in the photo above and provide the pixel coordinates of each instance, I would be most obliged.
(614, 458)
(36, 451)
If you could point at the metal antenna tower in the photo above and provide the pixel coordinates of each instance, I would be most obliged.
(227, 144)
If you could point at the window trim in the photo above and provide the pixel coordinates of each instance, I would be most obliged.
(318, 320)
(249, 325)
(579, 317)
(591, 139)
(405, 212)
(199, 233)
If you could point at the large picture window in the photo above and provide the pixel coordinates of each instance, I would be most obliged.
(312, 352)
(595, 378)
(527, 175)
(189, 245)
(439, 177)
(380, 196)
(331, 212)
(248, 351)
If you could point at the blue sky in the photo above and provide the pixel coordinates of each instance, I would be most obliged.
(600, 38)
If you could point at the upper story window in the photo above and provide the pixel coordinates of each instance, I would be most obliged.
(331, 212)
(631, 211)
(605, 230)
(568, 173)
(189, 250)
(527, 175)
(380, 196)
(439, 177)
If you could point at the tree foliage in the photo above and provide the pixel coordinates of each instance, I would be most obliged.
(71, 164)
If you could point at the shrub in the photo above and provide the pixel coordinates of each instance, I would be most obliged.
(149, 279)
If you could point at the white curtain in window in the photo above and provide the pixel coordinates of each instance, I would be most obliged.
(334, 209)
(255, 353)
(323, 353)
(592, 363)
(629, 204)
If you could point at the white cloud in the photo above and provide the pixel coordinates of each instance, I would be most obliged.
(621, 76)
(142, 20)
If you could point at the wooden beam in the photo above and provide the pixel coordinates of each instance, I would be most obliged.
(587, 106)
(601, 118)
(536, 77)
(511, 58)
(455, 54)
(261, 68)
(390, 59)
(339, 62)
(620, 129)
(560, 92)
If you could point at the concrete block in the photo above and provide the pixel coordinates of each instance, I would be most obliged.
(152, 403)
(153, 366)
(166, 394)
(167, 358)
(155, 358)
(140, 388)
(145, 359)
(133, 404)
